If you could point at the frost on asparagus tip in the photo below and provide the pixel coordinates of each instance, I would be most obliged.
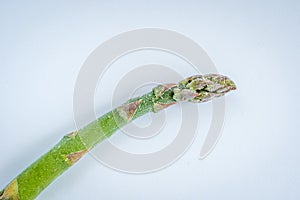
(202, 88)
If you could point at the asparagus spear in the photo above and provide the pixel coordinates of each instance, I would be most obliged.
(73, 146)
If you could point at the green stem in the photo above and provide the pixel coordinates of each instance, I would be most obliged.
(72, 147)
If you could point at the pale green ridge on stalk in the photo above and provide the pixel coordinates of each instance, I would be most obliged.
(72, 147)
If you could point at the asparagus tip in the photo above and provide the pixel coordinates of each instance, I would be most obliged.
(202, 88)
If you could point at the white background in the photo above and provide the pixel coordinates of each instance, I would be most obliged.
(43, 45)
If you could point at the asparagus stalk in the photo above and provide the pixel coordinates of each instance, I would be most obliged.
(73, 146)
